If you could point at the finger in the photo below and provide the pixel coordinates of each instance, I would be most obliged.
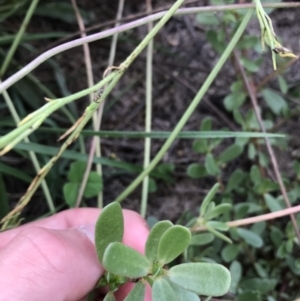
(58, 260)
(66, 219)
(45, 264)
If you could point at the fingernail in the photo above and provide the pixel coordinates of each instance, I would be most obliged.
(88, 230)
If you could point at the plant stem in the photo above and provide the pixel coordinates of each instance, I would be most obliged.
(32, 154)
(18, 37)
(257, 219)
(190, 109)
(148, 114)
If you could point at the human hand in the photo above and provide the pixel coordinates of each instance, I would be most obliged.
(55, 258)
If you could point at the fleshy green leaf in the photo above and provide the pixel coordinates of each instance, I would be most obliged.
(196, 171)
(217, 225)
(234, 100)
(94, 185)
(207, 279)
(230, 153)
(70, 191)
(250, 237)
(272, 203)
(137, 293)
(162, 290)
(109, 297)
(200, 146)
(172, 243)
(182, 294)
(230, 252)
(250, 65)
(250, 295)
(275, 102)
(218, 210)
(125, 261)
(211, 165)
(154, 237)
(236, 274)
(202, 239)
(207, 18)
(234, 180)
(282, 84)
(208, 198)
(218, 234)
(262, 285)
(109, 228)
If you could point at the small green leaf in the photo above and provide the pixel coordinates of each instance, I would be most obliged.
(152, 186)
(255, 175)
(218, 234)
(109, 228)
(201, 278)
(274, 101)
(250, 237)
(230, 252)
(250, 65)
(137, 293)
(282, 84)
(235, 180)
(70, 191)
(218, 210)
(200, 146)
(162, 290)
(154, 237)
(207, 18)
(230, 153)
(202, 239)
(234, 100)
(172, 243)
(93, 186)
(211, 165)
(272, 203)
(236, 275)
(250, 295)
(206, 124)
(196, 171)
(208, 198)
(109, 297)
(216, 40)
(262, 285)
(182, 294)
(125, 261)
(218, 225)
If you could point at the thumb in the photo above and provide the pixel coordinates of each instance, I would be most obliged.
(44, 264)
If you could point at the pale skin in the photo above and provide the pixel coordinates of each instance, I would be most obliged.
(54, 259)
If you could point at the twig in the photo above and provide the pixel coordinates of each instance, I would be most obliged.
(253, 98)
(166, 7)
(90, 82)
(104, 34)
(98, 117)
(257, 219)
(148, 115)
